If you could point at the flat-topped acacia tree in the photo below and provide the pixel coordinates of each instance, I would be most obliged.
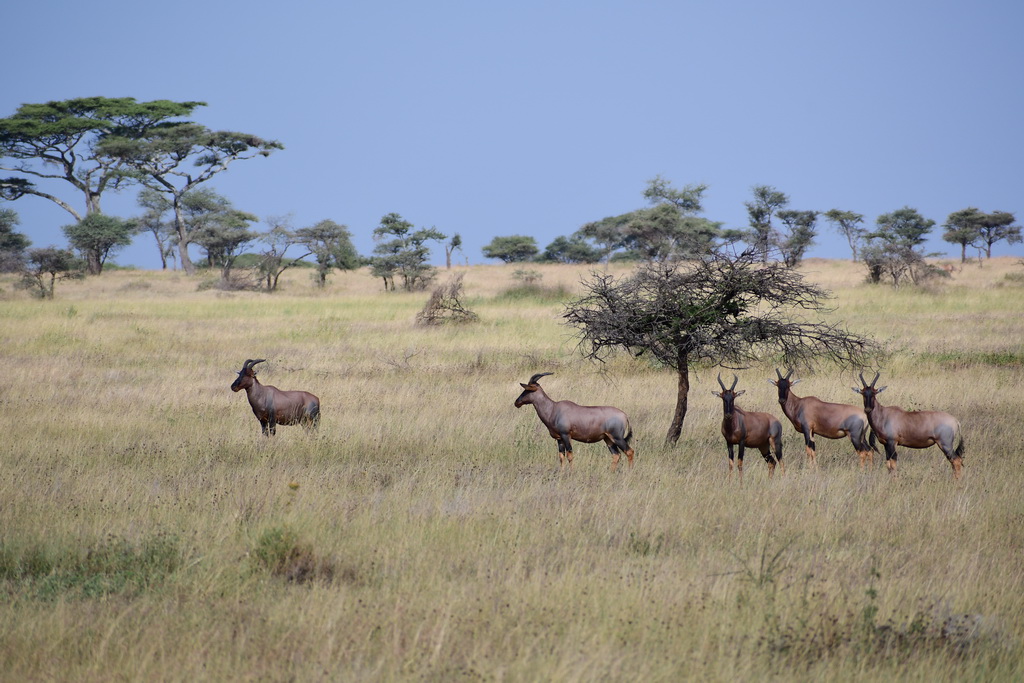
(726, 310)
(53, 145)
(97, 144)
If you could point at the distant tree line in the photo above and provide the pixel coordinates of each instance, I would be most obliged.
(92, 145)
(671, 228)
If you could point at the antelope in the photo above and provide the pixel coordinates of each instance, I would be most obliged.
(911, 428)
(749, 429)
(811, 416)
(567, 421)
(271, 406)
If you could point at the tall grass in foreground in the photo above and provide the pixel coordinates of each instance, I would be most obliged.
(147, 531)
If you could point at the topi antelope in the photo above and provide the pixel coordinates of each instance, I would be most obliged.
(756, 430)
(913, 428)
(567, 421)
(271, 406)
(811, 416)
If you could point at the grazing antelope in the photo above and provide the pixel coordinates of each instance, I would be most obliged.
(567, 421)
(811, 416)
(742, 428)
(911, 428)
(271, 406)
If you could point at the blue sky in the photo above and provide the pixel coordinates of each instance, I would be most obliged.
(536, 117)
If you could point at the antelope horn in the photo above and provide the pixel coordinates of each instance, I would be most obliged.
(533, 380)
(863, 382)
(789, 374)
(875, 379)
(720, 382)
(778, 374)
(735, 381)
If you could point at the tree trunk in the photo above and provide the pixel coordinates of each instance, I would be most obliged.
(676, 428)
(94, 264)
(179, 226)
(963, 253)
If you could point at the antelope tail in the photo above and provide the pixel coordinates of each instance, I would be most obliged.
(960, 449)
(628, 436)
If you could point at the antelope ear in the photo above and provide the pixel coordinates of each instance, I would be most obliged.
(773, 383)
(524, 386)
(741, 392)
(878, 391)
(855, 390)
(794, 382)
(717, 394)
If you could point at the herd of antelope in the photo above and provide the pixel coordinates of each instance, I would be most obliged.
(567, 421)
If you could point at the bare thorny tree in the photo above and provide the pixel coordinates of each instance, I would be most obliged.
(729, 310)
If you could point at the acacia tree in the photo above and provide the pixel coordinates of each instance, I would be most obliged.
(848, 224)
(175, 158)
(97, 237)
(669, 227)
(401, 250)
(799, 235)
(12, 244)
(573, 249)
(453, 244)
(896, 247)
(766, 202)
(962, 229)
(43, 268)
(277, 240)
(331, 246)
(511, 248)
(58, 142)
(723, 310)
(996, 227)
(154, 222)
(221, 230)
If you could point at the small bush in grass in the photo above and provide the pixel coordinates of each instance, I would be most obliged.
(279, 551)
(528, 286)
(445, 305)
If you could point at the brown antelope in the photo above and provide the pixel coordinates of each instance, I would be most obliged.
(811, 416)
(273, 407)
(567, 421)
(911, 428)
(742, 428)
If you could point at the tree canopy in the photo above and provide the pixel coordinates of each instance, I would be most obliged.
(512, 248)
(12, 244)
(402, 250)
(896, 247)
(97, 237)
(669, 227)
(58, 144)
(849, 225)
(331, 246)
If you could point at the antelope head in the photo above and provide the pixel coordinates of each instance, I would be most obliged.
(528, 389)
(246, 374)
(869, 392)
(728, 396)
(783, 383)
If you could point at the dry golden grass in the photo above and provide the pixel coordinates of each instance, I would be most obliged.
(148, 532)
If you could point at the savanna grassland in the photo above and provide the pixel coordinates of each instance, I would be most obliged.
(148, 532)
